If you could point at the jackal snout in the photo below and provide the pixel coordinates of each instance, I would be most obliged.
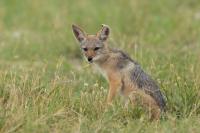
(89, 59)
(90, 54)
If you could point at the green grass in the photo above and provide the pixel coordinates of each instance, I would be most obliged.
(45, 85)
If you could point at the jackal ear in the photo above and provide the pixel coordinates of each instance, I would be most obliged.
(104, 33)
(78, 33)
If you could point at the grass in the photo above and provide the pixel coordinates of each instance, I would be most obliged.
(46, 86)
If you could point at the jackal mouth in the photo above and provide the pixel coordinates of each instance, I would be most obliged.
(90, 62)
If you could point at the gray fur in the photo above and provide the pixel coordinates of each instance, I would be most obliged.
(141, 79)
(145, 82)
(123, 59)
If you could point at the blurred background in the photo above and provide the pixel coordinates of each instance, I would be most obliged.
(43, 72)
(42, 29)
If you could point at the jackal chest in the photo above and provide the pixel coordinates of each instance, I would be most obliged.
(101, 71)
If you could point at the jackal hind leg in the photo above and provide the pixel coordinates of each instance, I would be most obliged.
(147, 102)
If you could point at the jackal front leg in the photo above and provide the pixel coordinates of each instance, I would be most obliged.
(114, 85)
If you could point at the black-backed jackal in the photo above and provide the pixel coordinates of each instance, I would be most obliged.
(123, 74)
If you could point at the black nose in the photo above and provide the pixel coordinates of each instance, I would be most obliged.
(89, 59)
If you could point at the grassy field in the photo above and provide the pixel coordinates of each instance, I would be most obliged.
(47, 86)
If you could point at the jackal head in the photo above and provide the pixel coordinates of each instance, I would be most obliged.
(94, 47)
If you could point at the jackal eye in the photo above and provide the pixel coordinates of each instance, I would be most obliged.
(85, 49)
(97, 48)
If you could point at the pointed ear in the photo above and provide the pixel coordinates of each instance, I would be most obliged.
(78, 33)
(104, 33)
